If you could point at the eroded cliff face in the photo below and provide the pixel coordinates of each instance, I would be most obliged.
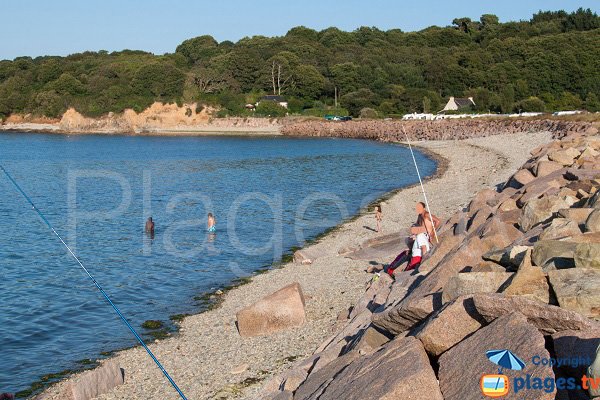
(157, 117)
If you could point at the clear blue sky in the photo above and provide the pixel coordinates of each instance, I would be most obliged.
(61, 27)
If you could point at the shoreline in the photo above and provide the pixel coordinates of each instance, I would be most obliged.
(319, 322)
(214, 298)
(187, 132)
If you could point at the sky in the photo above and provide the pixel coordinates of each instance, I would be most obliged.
(61, 27)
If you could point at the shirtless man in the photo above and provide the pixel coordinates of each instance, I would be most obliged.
(149, 226)
(422, 231)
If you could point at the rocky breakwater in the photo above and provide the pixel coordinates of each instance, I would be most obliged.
(518, 270)
(429, 130)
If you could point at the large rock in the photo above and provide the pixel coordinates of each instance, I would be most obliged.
(578, 215)
(592, 223)
(545, 167)
(318, 380)
(368, 341)
(350, 332)
(462, 366)
(529, 282)
(521, 178)
(594, 373)
(548, 319)
(393, 372)
(485, 197)
(92, 384)
(375, 295)
(557, 252)
(449, 325)
(587, 255)
(467, 283)
(440, 251)
(541, 210)
(578, 346)
(281, 310)
(560, 228)
(384, 247)
(564, 157)
(479, 217)
(510, 257)
(407, 314)
(576, 289)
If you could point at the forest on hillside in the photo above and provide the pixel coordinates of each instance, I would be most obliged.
(550, 62)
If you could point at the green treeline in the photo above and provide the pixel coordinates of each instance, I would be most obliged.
(548, 63)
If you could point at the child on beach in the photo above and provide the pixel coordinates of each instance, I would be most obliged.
(378, 216)
(211, 223)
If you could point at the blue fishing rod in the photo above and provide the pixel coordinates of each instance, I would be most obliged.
(139, 339)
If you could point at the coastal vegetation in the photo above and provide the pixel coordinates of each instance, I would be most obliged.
(550, 62)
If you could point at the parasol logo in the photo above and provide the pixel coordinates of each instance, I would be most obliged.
(498, 385)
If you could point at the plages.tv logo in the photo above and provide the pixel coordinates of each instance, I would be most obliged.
(498, 385)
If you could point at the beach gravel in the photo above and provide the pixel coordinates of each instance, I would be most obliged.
(208, 348)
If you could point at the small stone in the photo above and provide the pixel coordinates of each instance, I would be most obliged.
(240, 369)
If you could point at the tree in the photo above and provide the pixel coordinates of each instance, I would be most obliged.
(50, 104)
(200, 48)
(426, 104)
(489, 20)
(159, 81)
(207, 80)
(346, 77)
(531, 104)
(67, 84)
(507, 99)
(368, 113)
(464, 24)
(308, 82)
(356, 101)
(592, 103)
(581, 20)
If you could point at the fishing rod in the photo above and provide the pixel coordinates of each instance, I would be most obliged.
(139, 339)
(422, 186)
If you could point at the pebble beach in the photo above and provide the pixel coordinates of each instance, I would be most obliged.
(208, 358)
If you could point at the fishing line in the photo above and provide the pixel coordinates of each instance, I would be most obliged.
(422, 187)
(139, 339)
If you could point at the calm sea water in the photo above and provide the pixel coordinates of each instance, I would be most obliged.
(268, 195)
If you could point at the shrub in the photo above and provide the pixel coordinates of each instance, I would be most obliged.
(270, 109)
(368, 113)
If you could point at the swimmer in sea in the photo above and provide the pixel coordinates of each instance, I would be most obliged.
(149, 226)
(211, 223)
